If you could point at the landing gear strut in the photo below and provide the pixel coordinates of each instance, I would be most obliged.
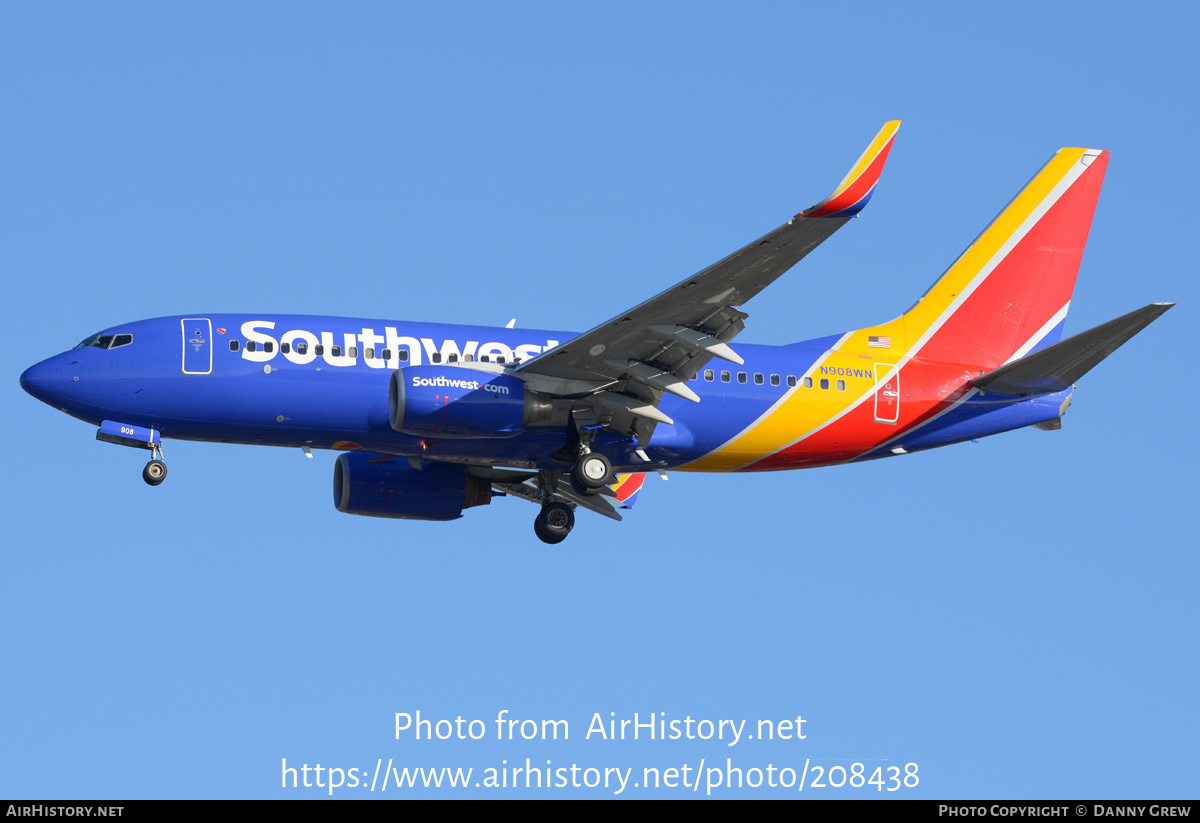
(156, 470)
(590, 472)
(554, 522)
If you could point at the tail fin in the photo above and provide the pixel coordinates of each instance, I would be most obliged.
(1007, 294)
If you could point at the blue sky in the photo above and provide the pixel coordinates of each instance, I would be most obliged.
(1018, 617)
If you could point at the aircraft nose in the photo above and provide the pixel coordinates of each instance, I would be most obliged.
(44, 381)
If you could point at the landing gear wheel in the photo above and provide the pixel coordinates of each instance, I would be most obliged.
(155, 472)
(554, 522)
(591, 473)
(544, 537)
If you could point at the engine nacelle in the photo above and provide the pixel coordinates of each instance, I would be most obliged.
(462, 402)
(381, 486)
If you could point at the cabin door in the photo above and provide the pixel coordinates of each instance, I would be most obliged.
(197, 345)
(887, 393)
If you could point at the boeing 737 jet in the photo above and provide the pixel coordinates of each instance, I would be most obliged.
(435, 419)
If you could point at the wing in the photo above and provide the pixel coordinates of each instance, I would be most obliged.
(621, 368)
(526, 486)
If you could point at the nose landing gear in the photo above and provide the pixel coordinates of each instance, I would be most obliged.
(156, 470)
(138, 437)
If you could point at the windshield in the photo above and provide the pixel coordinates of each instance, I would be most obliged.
(106, 341)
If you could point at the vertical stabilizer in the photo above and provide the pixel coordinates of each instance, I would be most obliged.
(1007, 294)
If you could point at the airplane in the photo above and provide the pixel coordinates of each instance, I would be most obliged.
(434, 419)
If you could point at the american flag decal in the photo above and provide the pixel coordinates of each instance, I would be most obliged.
(879, 342)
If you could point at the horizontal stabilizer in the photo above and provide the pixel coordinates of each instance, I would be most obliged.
(1057, 367)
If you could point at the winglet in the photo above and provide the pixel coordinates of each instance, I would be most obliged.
(856, 188)
(627, 487)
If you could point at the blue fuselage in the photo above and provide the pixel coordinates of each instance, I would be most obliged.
(322, 383)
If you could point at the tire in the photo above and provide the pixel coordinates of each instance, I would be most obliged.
(577, 485)
(592, 472)
(543, 536)
(554, 522)
(155, 472)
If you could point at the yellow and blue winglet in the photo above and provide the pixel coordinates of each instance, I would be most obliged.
(856, 188)
(627, 487)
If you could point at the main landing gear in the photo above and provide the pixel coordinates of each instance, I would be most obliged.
(156, 470)
(556, 519)
(592, 473)
(554, 522)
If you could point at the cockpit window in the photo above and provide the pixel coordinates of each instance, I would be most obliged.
(106, 341)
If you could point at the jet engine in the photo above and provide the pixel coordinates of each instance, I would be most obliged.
(462, 402)
(383, 486)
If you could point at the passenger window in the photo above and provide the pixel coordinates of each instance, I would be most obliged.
(436, 358)
(500, 359)
(742, 377)
(319, 349)
(791, 380)
(369, 354)
(841, 385)
(301, 347)
(402, 355)
(708, 375)
(808, 382)
(775, 380)
(484, 359)
(352, 352)
(337, 351)
(824, 382)
(724, 377)
(251, 345)
(387, 354)
(758, 379)
(452, 358)
(286, 348)
(269, 346)
(468, 358)
(233, 345)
